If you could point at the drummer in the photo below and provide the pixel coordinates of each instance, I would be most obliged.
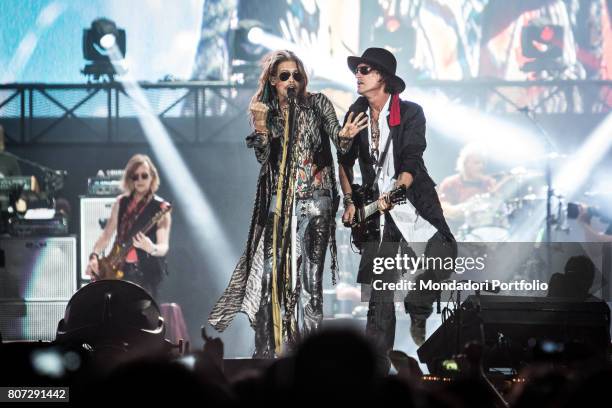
(455, 191)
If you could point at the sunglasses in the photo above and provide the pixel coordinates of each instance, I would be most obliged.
(142, 176)
(284, 76)
(363, 70)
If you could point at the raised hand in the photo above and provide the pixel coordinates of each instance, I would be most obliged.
(259, 110)
(354, 125)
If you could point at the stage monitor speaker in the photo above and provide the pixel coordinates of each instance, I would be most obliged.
(37, 269)
(95, 213)
(30, 320)
(509, 325)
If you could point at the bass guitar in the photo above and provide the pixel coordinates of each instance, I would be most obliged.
(109, 267)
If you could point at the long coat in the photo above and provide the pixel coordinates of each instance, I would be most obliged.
(408, 146)
(318, 125)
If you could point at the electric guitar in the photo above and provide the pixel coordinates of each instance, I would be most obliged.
(109, 267)
(363, 226)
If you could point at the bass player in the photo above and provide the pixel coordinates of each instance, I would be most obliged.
(144, 262)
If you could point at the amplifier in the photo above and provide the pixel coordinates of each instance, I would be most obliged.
(28, 183)
(103, 186)
(30, 320)
(94, 213)
(21, 227)
(509, 325)
(41, 269)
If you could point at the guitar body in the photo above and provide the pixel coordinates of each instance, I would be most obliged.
(365, 226)
(109, 266)
(363, 229)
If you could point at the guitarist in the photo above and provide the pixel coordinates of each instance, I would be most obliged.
(145, 262)
(404, 123)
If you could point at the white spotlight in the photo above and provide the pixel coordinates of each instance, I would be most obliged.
(108, 41)
(256, 35)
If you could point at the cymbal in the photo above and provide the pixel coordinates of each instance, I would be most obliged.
(550, 156)
(518, 172)
(596, 194)
(522, 172)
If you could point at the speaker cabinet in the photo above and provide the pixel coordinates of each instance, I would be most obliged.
(37, 269)
(95, 213)
(30, 320)
(37, 278)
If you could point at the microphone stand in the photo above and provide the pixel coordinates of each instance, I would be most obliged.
(459, 323)
(47, 171)
(458, 313)
(549, 187)
(291, 96)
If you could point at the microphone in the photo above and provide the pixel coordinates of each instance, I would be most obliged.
(291, 93)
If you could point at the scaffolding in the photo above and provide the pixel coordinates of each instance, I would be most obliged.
(195, 112)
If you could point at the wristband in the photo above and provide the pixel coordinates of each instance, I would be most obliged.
(348, 199)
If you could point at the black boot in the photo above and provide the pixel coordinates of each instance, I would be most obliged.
(264, 332)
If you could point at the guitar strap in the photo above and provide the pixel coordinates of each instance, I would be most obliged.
(383, 158)
(139, 218)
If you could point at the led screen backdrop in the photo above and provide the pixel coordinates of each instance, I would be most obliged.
(40, 40)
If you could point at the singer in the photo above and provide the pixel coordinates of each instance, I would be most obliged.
(296, 198)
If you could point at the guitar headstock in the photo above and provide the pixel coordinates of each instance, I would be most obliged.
(165, 208)
(397, 195)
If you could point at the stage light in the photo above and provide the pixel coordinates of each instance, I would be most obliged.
(108, 41)
(101, 36)
(255, 35)
(113, 312)
(247, 49)
(247, 45)
(98, 41)
(543, 44)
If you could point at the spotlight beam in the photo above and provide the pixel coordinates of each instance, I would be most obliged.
(212, 241)
(322, 67)
(593, 150)
(28, 43)
(507, 142)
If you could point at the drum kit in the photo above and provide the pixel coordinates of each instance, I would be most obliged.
(519, 198)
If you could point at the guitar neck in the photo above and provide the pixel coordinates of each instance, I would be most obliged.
(370, 209)
(130, 241)
(395, 196)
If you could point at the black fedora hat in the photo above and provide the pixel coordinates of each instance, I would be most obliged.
(380, 59)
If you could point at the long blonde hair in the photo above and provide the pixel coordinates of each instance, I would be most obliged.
(127, 184)
(265, 91)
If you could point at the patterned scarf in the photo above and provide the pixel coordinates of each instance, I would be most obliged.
(281, 240)
(130, 216)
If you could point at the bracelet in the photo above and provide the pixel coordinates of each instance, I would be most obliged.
(94, 254)
(348, 199)
(262, 137)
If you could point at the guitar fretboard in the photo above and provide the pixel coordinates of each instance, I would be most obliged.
(370, 209)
